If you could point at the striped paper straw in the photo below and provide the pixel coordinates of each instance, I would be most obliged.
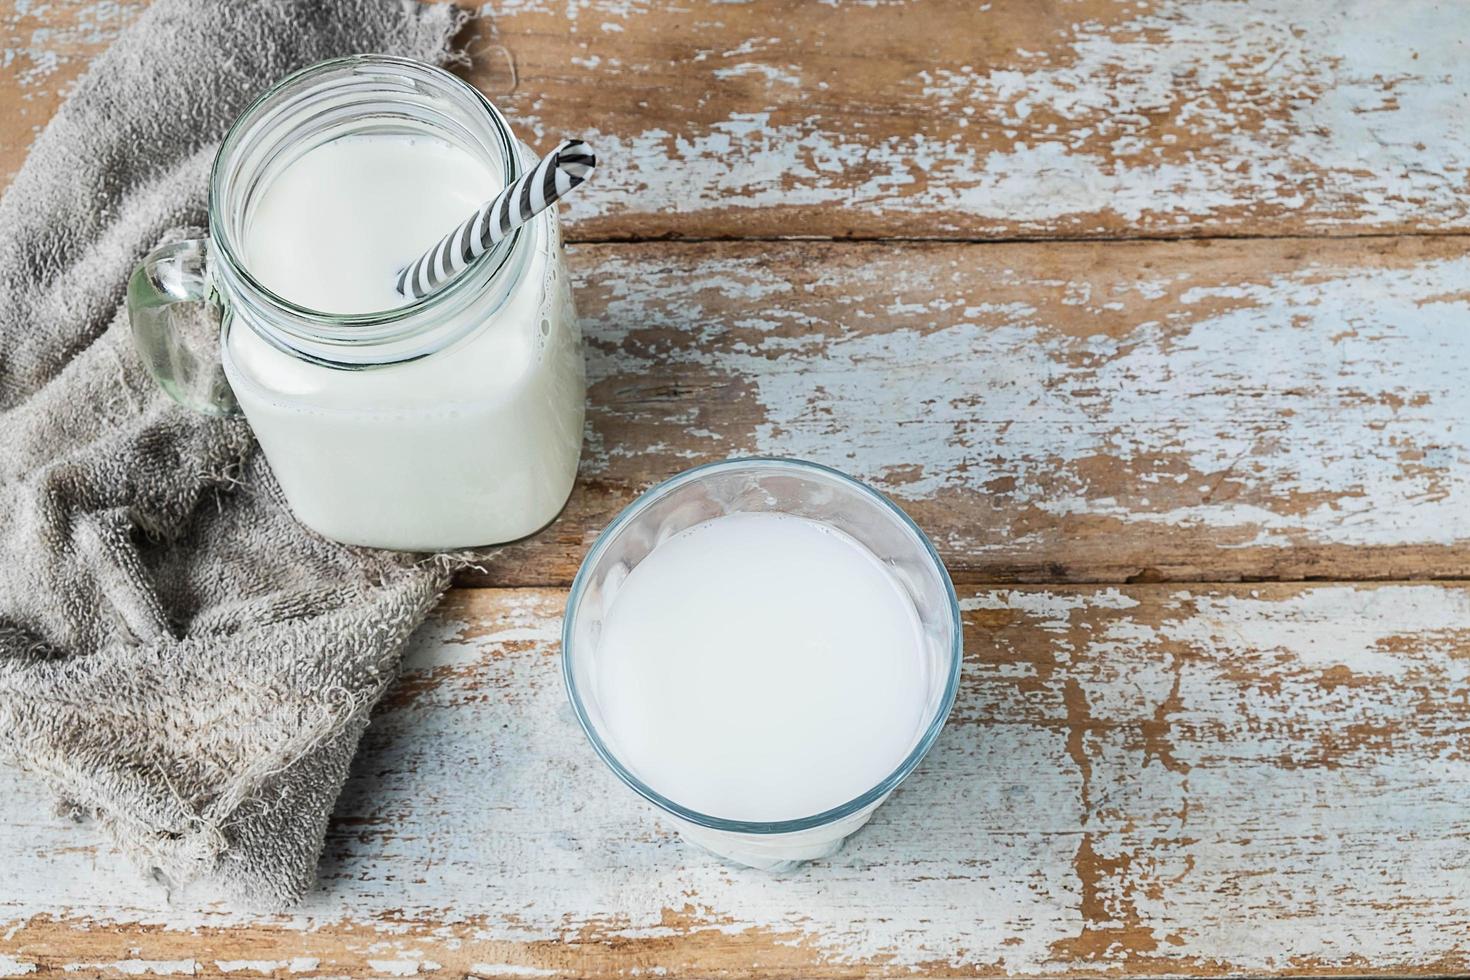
(558, 172)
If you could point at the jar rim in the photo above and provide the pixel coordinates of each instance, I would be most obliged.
(314, 326)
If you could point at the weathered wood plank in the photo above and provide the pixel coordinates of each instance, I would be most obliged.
(1263, 780)
(44, 47)
(1087, 412)
(947, 118)
(956, 119)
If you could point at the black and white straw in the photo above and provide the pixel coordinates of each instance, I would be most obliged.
(558, 172)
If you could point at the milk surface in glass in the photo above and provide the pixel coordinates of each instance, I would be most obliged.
(761, 667)
(476, 443)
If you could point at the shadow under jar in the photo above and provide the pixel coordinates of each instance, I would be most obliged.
(764, 607)
(448, 422)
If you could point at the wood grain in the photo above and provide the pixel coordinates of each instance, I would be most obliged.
(44, 48)
(958, 119)
(946, 118)
(1149, 779)
(1082, 412)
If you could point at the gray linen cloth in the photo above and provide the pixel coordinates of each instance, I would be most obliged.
(179, 659)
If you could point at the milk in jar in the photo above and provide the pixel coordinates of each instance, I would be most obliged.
(470, 444)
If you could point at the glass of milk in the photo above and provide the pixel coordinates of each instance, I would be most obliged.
(448, 422)
(763, 649)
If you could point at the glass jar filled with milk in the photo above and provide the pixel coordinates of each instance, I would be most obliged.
(444, 422)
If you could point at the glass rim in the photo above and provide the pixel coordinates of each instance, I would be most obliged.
(475, 274)
(873, 795)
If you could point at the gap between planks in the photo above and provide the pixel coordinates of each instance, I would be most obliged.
(676, 238)
(963, 580)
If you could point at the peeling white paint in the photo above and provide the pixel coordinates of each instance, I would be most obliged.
(1322, 403)
(772, 74)
(572, 10)
(1289, 117)
(402, 968)
(1050, 610)
(1324, 628)
(38, 39)
(138, 968)
(12, 967)
(298, 964)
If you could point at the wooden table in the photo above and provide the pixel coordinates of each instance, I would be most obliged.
(1153, 314)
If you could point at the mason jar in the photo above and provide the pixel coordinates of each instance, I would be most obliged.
(450, 422)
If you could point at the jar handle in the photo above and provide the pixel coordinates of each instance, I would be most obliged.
(175, 319)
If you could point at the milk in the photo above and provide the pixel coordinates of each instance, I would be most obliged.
(761, 667)
(474, 444)
(334, 229)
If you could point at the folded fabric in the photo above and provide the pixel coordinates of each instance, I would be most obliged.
(179, 659)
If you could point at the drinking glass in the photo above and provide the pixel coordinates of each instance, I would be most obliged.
(765, 485)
